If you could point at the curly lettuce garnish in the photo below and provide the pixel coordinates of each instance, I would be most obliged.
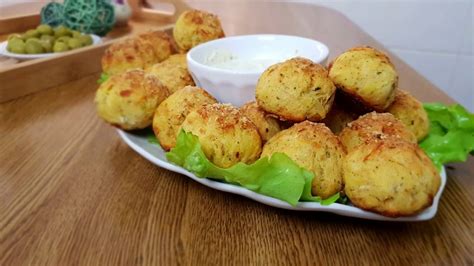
(278, 176)
(103, 78)
(451, 136)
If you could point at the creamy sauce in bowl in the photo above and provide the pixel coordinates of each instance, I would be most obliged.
(226, 60)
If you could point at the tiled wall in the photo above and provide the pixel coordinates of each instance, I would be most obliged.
(434, 37)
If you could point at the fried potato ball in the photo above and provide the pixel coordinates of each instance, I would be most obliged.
(172, 73)
(367, 75)
(129, 99)
(127, 54)
(296, 90)
(410, 111)
(314, 147)
(391, 177)
(160, 41)
(374, 127)
(267, 126)
(338, 117)
(171, 113)
(194, 27)
(226, 136)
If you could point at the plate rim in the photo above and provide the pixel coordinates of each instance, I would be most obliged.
(336, 208)
(4, 52)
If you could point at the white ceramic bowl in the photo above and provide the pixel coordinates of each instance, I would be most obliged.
(229, 68)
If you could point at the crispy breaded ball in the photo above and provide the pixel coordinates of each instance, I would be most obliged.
(194, 27)
(367, 75)
(411, 112)
(296, 90)
(160, 41)
(226, 136)
(338, 118)
(374, 127)
(172, 73)
(267, 125)
(171, 113)
(314, 147)
(391, 177)
(128, 100)
(178, 60)
(128, 54)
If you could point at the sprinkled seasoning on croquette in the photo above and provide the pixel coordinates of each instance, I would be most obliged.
(223, 131)
(172, 112)
(367, 75)
(128, 100)
(286, 90)
(194, 27)
(314, 147)
(372, 127)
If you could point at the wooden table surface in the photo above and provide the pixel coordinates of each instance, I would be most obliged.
(71, 192)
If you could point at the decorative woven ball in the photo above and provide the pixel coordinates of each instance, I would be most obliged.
(89, 16)
(52, 14)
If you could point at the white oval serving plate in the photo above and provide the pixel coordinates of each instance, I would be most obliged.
(156, 155)
(3, 50)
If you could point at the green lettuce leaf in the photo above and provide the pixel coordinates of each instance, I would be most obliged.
(278, 176)
(451, 136)
(103, 78)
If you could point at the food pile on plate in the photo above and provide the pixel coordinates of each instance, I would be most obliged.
(45, 39)
(348, 124)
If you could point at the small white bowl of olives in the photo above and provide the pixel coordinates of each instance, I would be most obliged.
(45, 41)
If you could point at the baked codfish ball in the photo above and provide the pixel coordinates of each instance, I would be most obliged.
(172, 73)
(267, 125)
(296, 90)
(177, 60)
(374, 127)
(159, 41)
(128, 100)
(392, 177)
(194, 27)
(411, 112)
(226, 136)
(338, 118)
(128, 54)
(171, 113)
(367, 75)
(314, 147)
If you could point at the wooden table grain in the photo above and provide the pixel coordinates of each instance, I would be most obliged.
(72, 193)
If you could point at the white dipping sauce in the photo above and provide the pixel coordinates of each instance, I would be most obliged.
(227, 60)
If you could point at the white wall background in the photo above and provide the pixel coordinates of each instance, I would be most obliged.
(433, 36)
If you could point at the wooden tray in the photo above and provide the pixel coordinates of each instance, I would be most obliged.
(21, 78)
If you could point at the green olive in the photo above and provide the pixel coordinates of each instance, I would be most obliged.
(32, 33)
(18, 48)
(60, 47)
(15, 36)
(47, 45)
(74, 43)
(76, 34)
(23, 37)
(61, 31)
(47, 38)
(34, 47)
(85, 39)
(44, 29)
(64, 39)
(13, 42)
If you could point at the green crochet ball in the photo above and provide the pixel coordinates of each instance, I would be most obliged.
(89, 16)
(52, 14)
